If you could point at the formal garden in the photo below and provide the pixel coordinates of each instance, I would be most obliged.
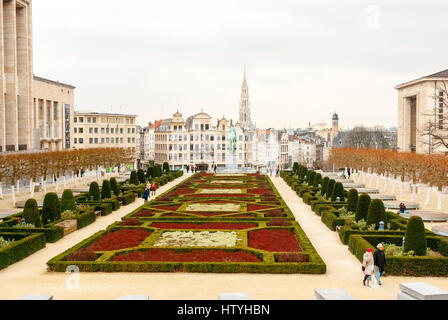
(220, 223)
(362, 223)
(28, 231)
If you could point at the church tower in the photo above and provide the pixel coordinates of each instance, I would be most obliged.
(335, 130)
(245, 119)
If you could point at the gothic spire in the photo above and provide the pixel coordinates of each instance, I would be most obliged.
(245, 117)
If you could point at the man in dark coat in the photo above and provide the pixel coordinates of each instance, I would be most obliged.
(380, 262)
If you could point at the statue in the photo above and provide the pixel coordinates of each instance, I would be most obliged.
(232, 139)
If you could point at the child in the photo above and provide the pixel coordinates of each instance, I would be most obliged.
(146, 195)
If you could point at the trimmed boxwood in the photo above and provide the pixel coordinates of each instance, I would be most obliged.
(134, 178)
(324, 185)
(331, 219)
(352, 200)
(94, 191)
(51, 209)
(127, 198)
(362, 208)
(376, 214)
(114, 186)
(24, 245)
(68, 201)
(338, 191)
(86, 218)
(105, 190)
(311, 177)
(330, 187)
(31, 213)
(317, 180)
(415, 239)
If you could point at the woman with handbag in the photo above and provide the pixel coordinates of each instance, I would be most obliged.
(367, 267)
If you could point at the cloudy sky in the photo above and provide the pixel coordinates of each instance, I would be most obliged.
(304, 59)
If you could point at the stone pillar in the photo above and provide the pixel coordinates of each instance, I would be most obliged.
(10, 73)
(2, 88)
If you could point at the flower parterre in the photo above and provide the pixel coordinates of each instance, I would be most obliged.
(208, 241)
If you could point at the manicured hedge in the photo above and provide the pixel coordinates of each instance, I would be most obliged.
(86, 218)
(25, 245)
(331, 219)
(52, 233)
(127, 198)
(406, 265)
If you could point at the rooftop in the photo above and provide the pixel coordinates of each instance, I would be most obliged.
(53, 82)
(104, 114)
(442, 75)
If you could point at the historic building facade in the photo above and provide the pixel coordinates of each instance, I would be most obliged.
(35, 113)
(97, 130)
(422, 113)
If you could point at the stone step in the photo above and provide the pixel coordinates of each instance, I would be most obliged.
(234, 296)
(344, 180)
(441, 230)
(384, 197)
(404, 296)
(423, 291)
(396, 205)
(367, 190)
(332, 294)
(427, 216)
(353, 185)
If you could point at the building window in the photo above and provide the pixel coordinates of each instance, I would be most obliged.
(129, 130)
(81, 119)
(96, 140)
(107, 130)
(94, 120)
(75, 120)
(129, 140)
(90, 130)
(76, 130)
(91, 140)
(133, 130)
(75, 140)
(102, 140)
(102, 130)
(107, 140)
(121, 140)
(121, 130)
(111, 130)
(81, 140)
(81, 130)
(89, 120)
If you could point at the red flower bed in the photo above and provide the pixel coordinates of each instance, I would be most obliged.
(183, 191)
(274, 240)
(276, 213)
(168, 208)
(210, 225)
(192, 256)
(254, 207)
(220, 195)
(260, 191)
(144, 213)
(126, 238)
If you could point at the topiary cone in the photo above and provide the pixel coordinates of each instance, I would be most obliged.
(338, 191)
(323, 190)
(114, 186)
(134, 178)
(376, 213)
(68, 201)
(105, 190)
(415, 238)
(362, 208)
(352, 200)
(330, 187)
(51, 210)
(94, 191)
(317, 180)
(31, 213)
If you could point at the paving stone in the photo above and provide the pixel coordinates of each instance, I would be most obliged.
(441, 230)
(423, 291)
(396, 205)
(36, 297)
(135, 297)
(427, 216)
(404, 296)
(4, 213)
(80, 190)
(332, 294)
(234, 296)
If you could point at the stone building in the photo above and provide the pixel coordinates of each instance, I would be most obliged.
(421, 106)
(97, 130)
(35, 113)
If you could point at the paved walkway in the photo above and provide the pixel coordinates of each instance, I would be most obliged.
(344, 271)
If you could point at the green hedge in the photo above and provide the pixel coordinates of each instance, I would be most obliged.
(86, 218)
(405, 266)
(52, 233)
(24, 245)
(127, 198)
(331, 219)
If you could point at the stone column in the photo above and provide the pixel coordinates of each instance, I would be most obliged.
(10, 73)
(2, 88)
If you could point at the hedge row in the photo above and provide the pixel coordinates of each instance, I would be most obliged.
(24, 245)
(406, 265)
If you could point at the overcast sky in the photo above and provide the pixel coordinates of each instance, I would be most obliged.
(304, 59)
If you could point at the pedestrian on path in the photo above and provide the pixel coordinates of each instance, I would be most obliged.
(148, 185)
(367, 267)
(348, 173)
(154, 189)
(146, 195)
(380, 262)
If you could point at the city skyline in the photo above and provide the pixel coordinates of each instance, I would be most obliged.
(172, 55)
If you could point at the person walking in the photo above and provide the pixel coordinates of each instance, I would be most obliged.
(367, 267)
(154, 189)
(148, 185)
(380, 262)
(146, 195)
(348, 173)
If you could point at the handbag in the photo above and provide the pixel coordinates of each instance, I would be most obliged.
(363, 268)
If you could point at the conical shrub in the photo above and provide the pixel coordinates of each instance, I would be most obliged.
(362, 208)
(330, 188)
(317, 180)
(134, 178)
(150, 173)
(114, 186)
(352, 200)
(141, 176)
(295, 167)
(415, 238)
(68, 201)
(166, 167)
(323, 190)
(31, 213)
(94, 191)
(105, 190)
(376, 213)
(338, 191)
(51, 210)
(311, 177)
